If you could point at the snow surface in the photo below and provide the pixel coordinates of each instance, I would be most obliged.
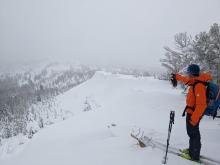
(106, 108)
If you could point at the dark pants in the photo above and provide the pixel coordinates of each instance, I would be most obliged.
(194, 139)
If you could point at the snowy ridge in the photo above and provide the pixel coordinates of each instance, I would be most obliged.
(105, 109)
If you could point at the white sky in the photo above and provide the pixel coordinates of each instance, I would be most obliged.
(103, 32)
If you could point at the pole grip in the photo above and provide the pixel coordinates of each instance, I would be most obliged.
(172, 116)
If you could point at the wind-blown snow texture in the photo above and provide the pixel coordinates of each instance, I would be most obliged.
(105, 109)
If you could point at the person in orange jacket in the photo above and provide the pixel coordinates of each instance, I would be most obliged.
(195, 107)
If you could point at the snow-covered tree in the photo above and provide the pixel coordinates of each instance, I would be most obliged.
(207, 50)
(204, 50)
(176, 59)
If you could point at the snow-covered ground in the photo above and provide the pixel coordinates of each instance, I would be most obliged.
(106, 108)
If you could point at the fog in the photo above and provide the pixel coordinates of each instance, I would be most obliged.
(101, 32)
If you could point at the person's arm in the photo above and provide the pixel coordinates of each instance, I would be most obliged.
(181, 78)
(200, 105)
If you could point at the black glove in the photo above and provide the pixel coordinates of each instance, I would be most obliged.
(173, 79)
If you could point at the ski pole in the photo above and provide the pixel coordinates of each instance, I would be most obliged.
(171, 122)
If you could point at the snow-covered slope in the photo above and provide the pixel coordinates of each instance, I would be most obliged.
(105, 109)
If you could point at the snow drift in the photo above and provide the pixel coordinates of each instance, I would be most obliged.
(105, 109)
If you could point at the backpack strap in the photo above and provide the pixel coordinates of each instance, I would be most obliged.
(198, 82)
(194, 85)
(218, 95)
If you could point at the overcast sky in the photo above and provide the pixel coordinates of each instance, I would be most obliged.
(103, 32)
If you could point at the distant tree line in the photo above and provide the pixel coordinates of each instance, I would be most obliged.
(18, 94)
(130, 71)
(203, 49)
